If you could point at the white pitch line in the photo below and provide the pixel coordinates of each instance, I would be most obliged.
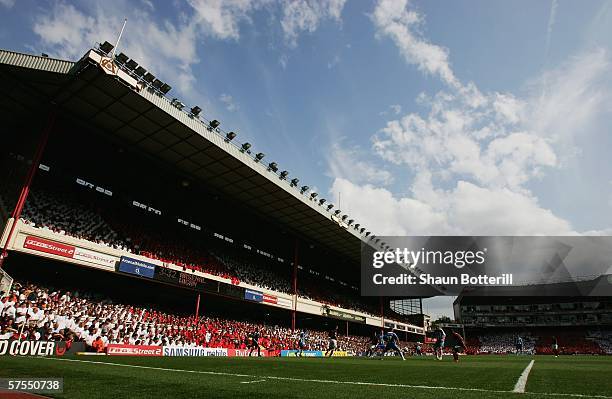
(573, 395)
(522, 381)
(252, 382)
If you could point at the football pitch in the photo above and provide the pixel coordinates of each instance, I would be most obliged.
(195, 377)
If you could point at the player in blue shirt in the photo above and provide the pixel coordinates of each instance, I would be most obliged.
(376, 344)
(392, 343)
(301, 343)
(440, 336)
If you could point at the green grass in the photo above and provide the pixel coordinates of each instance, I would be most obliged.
(473, 377)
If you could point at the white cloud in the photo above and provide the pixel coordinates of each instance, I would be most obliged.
(551, 23)
(566, 100)
(167, 48)
(334, 61)
(472, 154)
(383, 214)
(229, 102)
(7, 3)
(393, 19)
(345, 163)
(306, 15)
(169, 51)
(221, 18)
(283, 60)
(466, 209)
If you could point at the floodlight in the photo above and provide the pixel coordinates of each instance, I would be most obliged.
(131, 65)
(165, 88)
(106, 47)
(149, 77)
(195, 111)
(121, 58)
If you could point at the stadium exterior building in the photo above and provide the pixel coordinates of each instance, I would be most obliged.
(522, 307)
(104, 129)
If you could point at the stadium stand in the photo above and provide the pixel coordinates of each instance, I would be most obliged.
(59, 208)
(505, 343)
(35, 312)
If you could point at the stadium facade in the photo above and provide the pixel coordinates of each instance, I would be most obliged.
(100, 143)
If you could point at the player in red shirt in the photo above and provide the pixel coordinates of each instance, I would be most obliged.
(459, 346)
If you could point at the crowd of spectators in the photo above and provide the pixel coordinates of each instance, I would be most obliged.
(505, 343)
(603, 339)
(34, 312)
(570, 343)
(126, 230)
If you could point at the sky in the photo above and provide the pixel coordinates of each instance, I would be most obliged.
(421, 117)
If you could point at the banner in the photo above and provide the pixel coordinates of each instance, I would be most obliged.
(286, 303)
(269, 298)
(137, 267)
(292, 353)
(97, 258)
(70, 251)
(133, 350)
(327, 311)
(32, 348)
(231, 291)
(252, 295)
(48, 246)
(245, 353)
(194, 351)
(185, 279)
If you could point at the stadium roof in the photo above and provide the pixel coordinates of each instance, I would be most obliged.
(146, 120)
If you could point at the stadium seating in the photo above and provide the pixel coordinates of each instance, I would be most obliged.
(504, 343)
(63, 212)
(77, 316)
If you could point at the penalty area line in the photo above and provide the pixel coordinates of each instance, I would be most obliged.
(336, 382)
(521, 383)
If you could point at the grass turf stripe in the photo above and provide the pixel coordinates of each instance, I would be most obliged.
(321, 381)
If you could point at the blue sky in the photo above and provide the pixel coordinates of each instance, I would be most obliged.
(429, 117)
